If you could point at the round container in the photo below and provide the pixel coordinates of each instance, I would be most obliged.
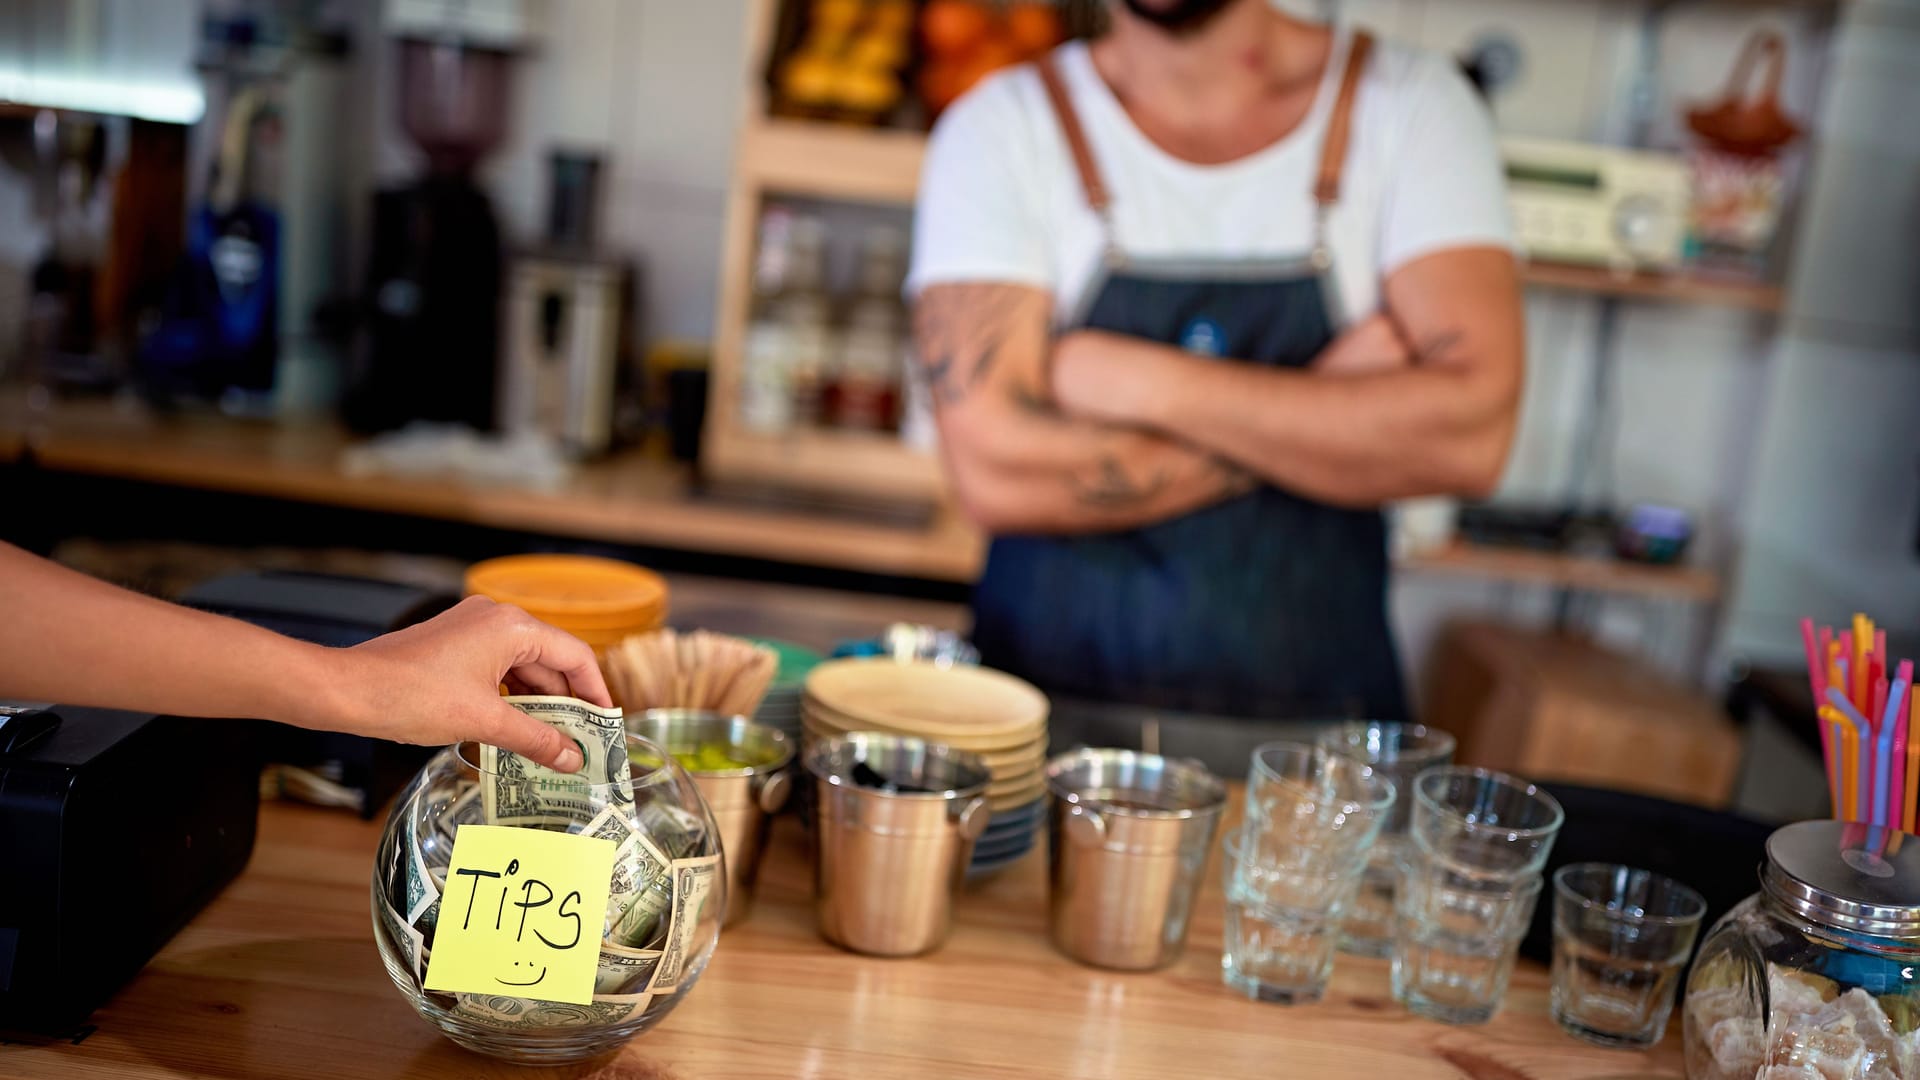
(1129, 836)
(600, 601)
(888, 863)
(1820, 968)
(661, 803)
(742, 799)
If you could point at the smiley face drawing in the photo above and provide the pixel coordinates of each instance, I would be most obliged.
(535, 981)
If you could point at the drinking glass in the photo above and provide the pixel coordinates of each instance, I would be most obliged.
(1399, 752)
(1472, 876)
(1620, 939)
(1293, 866)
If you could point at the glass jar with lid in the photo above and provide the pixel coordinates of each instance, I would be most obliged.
(1816, 976)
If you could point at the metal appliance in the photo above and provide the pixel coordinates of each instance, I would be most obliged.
(1598, 205)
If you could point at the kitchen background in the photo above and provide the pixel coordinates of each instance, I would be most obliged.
(1785, 428)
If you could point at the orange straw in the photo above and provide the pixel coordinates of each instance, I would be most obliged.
(1849, 743)
(1862, 645)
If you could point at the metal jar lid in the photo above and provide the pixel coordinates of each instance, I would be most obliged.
(1847, 876)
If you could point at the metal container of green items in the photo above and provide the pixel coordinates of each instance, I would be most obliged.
(744, 771)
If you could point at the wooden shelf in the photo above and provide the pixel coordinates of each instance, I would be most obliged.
(830, 161)
(1582, 573)
(1676, 288)
(874, 466)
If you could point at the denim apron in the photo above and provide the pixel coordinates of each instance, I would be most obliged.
(1265, 605)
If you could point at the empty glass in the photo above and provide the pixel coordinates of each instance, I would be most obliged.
(1292, 868)
(1620, 939)
(1399, 752)
(1472, 876)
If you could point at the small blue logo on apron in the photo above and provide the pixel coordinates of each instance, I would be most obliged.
(1203, 337)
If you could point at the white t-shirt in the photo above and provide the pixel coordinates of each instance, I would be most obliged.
(1000, 199)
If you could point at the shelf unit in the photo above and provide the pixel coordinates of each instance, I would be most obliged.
(1580, 573)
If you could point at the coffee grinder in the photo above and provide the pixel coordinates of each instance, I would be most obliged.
(431, 345)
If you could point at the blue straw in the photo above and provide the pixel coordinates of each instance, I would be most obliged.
(1865, 765)
(1883, 754)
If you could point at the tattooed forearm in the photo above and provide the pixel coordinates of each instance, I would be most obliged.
(1112, 488)
(961, 333)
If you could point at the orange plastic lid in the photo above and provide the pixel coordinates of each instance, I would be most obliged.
(571, 586)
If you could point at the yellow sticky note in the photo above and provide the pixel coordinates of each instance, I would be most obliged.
(522, 914)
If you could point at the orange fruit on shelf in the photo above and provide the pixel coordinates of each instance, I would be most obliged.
(807, 78)
(953, 27)
(983, 60)
(837, 14)
(866, 90)
(939, 84)
(878, 51)
(1034, 27)
(891, 16)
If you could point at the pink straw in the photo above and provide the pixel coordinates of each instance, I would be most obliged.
(1817, 678)
(1897, 788)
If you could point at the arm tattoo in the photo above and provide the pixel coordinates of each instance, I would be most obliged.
(1028, 400)
(1441, 345)
(1234, 479)
(1113, 488)
(960, 336)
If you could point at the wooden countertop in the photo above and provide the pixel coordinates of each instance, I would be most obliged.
(279, 978)
(626, 499)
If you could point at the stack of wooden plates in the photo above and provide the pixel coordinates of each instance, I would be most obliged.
(985, 712)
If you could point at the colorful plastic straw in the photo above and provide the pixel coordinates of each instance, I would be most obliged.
(1913, 757)
(1883, 754)
(1859, 754)
(1897, 720)
(1817, 680)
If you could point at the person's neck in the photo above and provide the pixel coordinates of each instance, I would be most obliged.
(1247, 54)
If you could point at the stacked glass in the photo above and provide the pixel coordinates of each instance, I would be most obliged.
(1293, 866)
(1471, 877)
(1398, 752)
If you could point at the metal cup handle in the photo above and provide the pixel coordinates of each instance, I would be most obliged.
(773, 791)
(972, 819)
(1086, 824)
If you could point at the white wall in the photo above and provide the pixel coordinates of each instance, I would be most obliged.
(655, 86)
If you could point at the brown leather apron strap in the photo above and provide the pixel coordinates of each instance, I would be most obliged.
(1076, 136)
(1333, 151)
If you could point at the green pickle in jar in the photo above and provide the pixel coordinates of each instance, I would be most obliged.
(711, 756)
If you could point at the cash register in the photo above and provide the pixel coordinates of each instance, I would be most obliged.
(115, 829)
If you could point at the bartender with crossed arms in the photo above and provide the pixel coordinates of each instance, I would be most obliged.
(1193, 301)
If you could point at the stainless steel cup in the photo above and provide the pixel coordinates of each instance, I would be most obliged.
(887, 864)
(1130, 834)
(742, 800)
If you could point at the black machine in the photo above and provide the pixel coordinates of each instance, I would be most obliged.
(432, 342)
(336, 611)
(115, 829)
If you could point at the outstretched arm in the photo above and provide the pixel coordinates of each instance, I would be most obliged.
(66, 637)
